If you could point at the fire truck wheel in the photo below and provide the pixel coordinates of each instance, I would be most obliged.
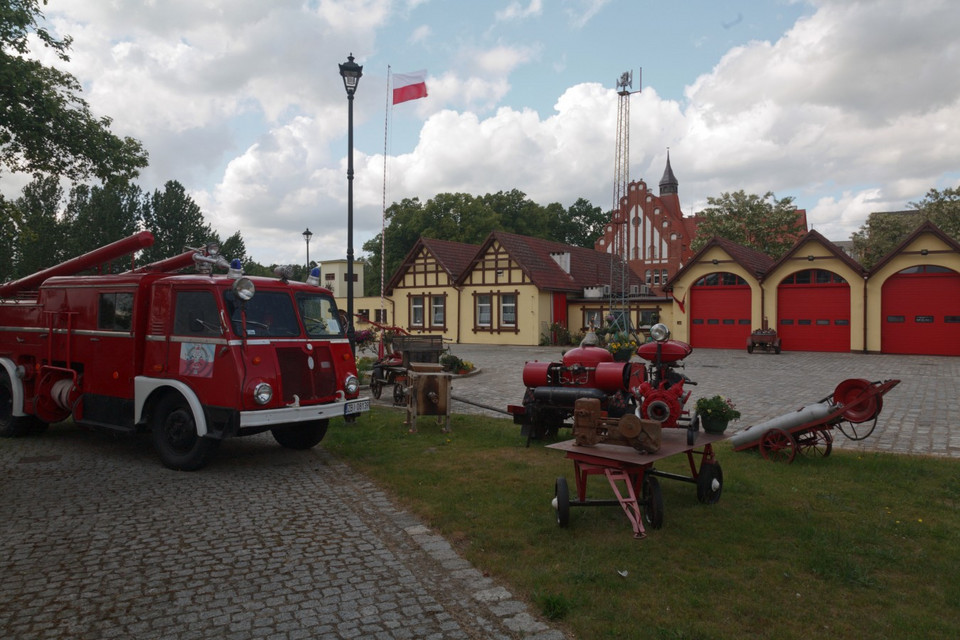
(709, 483)
(10, 426)
(561, 501)
(175, 436)
(301, 436)
(652, 499)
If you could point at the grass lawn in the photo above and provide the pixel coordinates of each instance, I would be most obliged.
(848, 546)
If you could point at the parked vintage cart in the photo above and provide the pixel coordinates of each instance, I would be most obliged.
(853, 407)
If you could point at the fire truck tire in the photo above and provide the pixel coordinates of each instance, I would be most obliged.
(175, 436)
(709, 483)
(301, 436)
(561, 501)
(10, 426)
(652, 499)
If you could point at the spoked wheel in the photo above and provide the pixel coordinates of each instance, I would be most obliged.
(857, 430)
(709, 483)
(816, 444)
(376, 388)
(561, 501)
(652, 500)
(399, 396)
(175, 436)
(777, 445)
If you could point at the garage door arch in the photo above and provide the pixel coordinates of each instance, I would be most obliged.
(813, 311)
(920, 311)
(720, 311)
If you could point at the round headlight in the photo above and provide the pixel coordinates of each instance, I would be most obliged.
(659, 332)
(351, 385)
(243, 288)
(262, 393)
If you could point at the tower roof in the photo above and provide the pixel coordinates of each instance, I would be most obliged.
(668, 183)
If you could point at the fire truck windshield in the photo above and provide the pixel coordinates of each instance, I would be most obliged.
(320, 316)
(269, 314)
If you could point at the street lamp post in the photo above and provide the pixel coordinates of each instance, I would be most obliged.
(306, 236)
(351, 73)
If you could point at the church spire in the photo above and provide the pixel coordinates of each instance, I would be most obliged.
(668, 183)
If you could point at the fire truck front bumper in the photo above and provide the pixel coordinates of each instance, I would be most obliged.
(292, 415)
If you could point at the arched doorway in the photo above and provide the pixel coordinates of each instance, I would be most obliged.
(920, 312)
(813, 311)
(720, 312)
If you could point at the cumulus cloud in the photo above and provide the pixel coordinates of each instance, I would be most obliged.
(851, 110)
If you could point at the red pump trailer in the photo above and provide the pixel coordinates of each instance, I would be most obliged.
(193, 358)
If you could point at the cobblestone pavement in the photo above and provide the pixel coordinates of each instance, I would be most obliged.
(98, 540)
(921, 415)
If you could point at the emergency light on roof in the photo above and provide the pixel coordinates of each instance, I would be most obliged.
(236, 269)
(314, 277)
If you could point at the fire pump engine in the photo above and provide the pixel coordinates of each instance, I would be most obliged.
(653, 390)
(193, 358)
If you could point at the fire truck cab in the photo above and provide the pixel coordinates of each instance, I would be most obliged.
(192, 358)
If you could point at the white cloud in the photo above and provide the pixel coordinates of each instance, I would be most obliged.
(516, 11)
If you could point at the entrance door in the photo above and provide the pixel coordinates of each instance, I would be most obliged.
(813, 312)
(920, 312)
(720, 312)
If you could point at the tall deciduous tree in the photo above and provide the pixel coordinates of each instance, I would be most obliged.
(175, 220)
(98, 216)
(581, 224)
(45, 126)
(883, 231)
(40, 234)
(763, 223)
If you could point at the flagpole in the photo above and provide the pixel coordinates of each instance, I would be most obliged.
(383, 212)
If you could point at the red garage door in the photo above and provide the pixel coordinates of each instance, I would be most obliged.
(813, 308)
(920, 311)
(720, 312)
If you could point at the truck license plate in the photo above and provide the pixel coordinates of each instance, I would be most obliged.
(357, 406)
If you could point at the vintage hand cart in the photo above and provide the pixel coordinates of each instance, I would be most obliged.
(634, 480)
(397, 354)
(853, 407)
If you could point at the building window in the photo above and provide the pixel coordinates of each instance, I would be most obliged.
(437, 311)
(508, 310)
(380, 315)
(656, 276)
(663, 276)
(648, 277)
(416, 311)
(593, 318)
(484, 307)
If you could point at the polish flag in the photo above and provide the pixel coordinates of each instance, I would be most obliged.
(409, 86)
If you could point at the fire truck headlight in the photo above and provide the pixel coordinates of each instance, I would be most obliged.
(659, 332)
(351, 385)
(243, 288)
(262, 393)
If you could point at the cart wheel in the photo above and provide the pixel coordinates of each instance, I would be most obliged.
(652, 499)
(376, 388)
(749, 348)
(399, 396)
(818, 444)
(561, 501)
(777, 445)
(857, 430)
(776, 349)
(710, 483)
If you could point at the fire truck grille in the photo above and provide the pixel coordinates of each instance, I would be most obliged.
(298, 378)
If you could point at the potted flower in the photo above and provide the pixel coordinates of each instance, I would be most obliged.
(621, 345)
(715, 413)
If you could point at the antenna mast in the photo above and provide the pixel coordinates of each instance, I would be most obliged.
(621, 181)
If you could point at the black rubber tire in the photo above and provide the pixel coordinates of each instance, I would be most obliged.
(305, 435)
(652, 499)
(10, 426)
(174, 432)
(561, 493)
(708, 473)
(376, 388)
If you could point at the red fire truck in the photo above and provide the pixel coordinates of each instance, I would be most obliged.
(193, 358)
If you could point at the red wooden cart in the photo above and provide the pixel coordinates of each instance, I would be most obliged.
(634, 480)
(853, 408)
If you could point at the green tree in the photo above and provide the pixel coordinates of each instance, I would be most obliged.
(9, 222)
(176, 222)
(40, 235)
(97, 216)
(581, 224)
(46, 127)
(763, 223)
(883, 231)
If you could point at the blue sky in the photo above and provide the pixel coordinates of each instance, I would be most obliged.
(849, 107)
